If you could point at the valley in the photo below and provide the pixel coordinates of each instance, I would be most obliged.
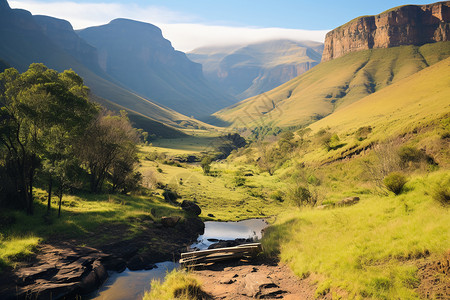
(119, 152)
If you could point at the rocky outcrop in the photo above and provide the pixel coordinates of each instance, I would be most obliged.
(405, 25)
(60, 272)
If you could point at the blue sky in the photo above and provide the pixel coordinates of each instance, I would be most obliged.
(195, 23)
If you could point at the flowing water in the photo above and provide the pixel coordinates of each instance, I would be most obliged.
(131, 285)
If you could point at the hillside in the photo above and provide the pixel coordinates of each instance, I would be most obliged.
(137, 55)
(246, 71)
(399, 26)
(24, 41)
(407, 106)
(332, 85)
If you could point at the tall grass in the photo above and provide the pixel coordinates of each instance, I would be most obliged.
(178, 284)
(367, 249)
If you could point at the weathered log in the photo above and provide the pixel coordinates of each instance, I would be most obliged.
(220, 254)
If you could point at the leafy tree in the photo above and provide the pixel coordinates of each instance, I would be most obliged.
(33, 105)
(109, 147)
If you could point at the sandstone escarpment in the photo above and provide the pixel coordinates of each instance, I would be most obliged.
(405, 25)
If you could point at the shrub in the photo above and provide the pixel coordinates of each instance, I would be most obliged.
(362, 132)
(301, 195)
(170, 196)
(395, 182)
(441, 193)
(239, 180)
(277, 195)
(206, 164)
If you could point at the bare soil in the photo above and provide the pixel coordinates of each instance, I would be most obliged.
(261, 279)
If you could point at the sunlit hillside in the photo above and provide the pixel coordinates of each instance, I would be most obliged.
(332, 86)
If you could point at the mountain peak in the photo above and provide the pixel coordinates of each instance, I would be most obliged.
(4, 5)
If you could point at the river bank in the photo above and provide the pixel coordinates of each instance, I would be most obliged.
(68, 268)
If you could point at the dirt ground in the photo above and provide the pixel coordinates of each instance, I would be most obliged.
(259, 279)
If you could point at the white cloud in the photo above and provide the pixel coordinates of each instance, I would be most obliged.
(190, 36)
(181, 29)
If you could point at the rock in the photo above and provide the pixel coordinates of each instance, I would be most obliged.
(170, 221)
(254, 283)
(228, 279)
(325, 206)
(405, 25)
(62, 272)
(348, 201)
(136, 263)
(191, 207)
(193, 226)
(115, 264)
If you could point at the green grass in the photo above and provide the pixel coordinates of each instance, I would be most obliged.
(217, 193)
(368, 249)
(81, 217)
(333, 85)
(177, 285)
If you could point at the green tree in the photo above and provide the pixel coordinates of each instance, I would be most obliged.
(108, 147)
(32, 105)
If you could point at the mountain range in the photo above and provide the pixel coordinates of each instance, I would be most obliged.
(136, 55)
(248, 70)
(345, 78)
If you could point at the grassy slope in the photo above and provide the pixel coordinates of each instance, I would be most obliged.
(216, 194)
(81, 215)
(402, 107)
(367, 250)
(373, 249)
(333, 85)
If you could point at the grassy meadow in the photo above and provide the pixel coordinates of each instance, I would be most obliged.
(81, 218)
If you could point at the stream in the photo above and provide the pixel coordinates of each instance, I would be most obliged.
(131, 285)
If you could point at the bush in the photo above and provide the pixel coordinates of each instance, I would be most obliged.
(441, 194)
(301, 195)
(395, 182)
(206, 164)
(277, 195)
(239, 180)
(170, 196)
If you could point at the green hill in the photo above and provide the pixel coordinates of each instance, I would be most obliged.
(249, 70)
(333, 85)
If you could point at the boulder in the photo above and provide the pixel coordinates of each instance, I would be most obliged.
(170, 221)
(191, 207)
(348, 201)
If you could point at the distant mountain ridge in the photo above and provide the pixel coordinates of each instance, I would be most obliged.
(138, 56)
(331, 86)
(25, 40)
(248, 70)
(399, 26)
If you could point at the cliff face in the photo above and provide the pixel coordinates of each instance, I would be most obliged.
(405, 25)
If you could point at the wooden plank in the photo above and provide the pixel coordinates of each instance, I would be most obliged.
(253, 246)
(197, 258)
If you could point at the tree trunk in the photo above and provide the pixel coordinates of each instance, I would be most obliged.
(49, 201)
(60, 200)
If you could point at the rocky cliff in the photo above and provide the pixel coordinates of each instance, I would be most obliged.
(404, 25)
